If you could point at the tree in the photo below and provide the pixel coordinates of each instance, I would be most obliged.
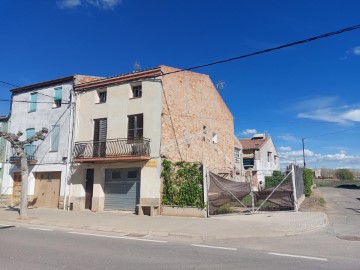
(344, 174)
(19, 147)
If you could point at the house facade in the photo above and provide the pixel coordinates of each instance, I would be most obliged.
(126, 125)
(3, 145)
(47, 104)
(260, 159)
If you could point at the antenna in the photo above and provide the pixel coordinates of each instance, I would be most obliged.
(137, 66)
(220, 84)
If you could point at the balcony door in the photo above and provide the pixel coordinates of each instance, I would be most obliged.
(100, 133)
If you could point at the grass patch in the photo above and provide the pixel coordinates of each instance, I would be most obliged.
(322, 202)
(336, 183)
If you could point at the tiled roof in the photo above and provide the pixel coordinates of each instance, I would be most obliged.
(253, 143)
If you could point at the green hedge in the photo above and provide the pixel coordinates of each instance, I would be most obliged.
(183, 184)
(344, 174)
(308, 180)
(274, 180)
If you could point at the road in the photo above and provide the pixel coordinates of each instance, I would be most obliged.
(27, 247)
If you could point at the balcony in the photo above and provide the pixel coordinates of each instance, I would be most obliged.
(30, 153)
(112, 150)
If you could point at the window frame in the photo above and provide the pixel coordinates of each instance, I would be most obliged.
(136, 129)
(101, 95)
(56, 149)
(57, 100)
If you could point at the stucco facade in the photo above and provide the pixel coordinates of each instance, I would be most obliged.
(3, 146)
(118, 106)
(47, 104)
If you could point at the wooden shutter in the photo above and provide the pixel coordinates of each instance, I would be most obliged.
(100, 129)
(55, 133)
(135, 126)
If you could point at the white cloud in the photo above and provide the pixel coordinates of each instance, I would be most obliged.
(249, 131)
(285, 148)
(336, 160)
(355, 50)
(328, 109)
(101, 4)
(287, 137)
(69, 3)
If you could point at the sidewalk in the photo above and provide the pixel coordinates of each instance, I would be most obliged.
(269, 224)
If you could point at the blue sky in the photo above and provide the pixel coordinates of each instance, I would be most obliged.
(307, 91)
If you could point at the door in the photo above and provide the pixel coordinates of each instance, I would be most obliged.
(16, 189)
(100, 133)
(89, 188)
(122, 189)
(47, 189)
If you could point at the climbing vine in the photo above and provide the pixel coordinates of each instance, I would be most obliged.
(183, 184)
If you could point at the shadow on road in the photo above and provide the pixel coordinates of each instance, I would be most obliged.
(349, 186)
(13, 209)
(6, 227)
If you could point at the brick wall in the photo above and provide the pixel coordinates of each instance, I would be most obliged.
(190, 102)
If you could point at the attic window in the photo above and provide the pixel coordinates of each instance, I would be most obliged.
(102, 94)
(269, 156)
(136, 91)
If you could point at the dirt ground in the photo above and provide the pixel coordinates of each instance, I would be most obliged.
(314, 203)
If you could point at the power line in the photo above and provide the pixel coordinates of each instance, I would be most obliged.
(9, 84)
(26, 101)
(338, 32)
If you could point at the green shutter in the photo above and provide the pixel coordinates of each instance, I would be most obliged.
(33, 100)
(58, 93)
(55, 138)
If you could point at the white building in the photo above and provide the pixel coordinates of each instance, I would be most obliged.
(260, 157)
(46, 104)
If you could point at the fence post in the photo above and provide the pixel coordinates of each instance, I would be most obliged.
(252, 192)
(205, 188)
(294, 187)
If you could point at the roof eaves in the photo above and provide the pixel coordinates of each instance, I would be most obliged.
(149, 73)
(42, 84)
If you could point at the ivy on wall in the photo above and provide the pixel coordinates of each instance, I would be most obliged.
(183, 184)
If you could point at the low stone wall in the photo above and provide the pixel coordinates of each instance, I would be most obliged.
(184, 211)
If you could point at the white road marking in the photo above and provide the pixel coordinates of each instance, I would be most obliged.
(298, 256)
(204, 246)
(120, 237)
(40, 229)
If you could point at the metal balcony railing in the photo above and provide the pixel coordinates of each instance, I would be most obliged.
(30, 153)
(112, 148)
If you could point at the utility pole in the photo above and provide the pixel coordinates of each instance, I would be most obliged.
(19, 147)
(303, 145)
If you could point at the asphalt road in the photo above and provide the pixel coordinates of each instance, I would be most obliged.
(37, 248)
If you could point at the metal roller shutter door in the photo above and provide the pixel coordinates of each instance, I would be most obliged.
(122, 189)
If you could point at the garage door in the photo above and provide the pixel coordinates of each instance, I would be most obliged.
(122, 189)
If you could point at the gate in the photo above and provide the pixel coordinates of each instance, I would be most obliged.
(226, 196)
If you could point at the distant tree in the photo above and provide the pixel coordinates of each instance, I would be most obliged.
(344, 174)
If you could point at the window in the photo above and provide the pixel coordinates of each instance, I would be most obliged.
(30, 148)
(54, 139)
(102, 93)
(269, 156)
(135, 126)
(57, 97)
(116, 174)
(214, 137)
(33, 102)
(237, 155)
(136, 91)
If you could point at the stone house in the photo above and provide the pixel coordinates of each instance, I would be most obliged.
(126, 125)
(260, 159)
(47, 104)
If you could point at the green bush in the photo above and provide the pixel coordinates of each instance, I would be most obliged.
(344, 174)
(274, 180)
(183, 184)
(308, 180)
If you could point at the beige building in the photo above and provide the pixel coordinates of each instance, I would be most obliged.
(126, 125)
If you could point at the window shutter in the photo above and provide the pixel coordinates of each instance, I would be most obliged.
(131, 126)
(33, 100)
(30, 132)
(58, 93)
(55, 134)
